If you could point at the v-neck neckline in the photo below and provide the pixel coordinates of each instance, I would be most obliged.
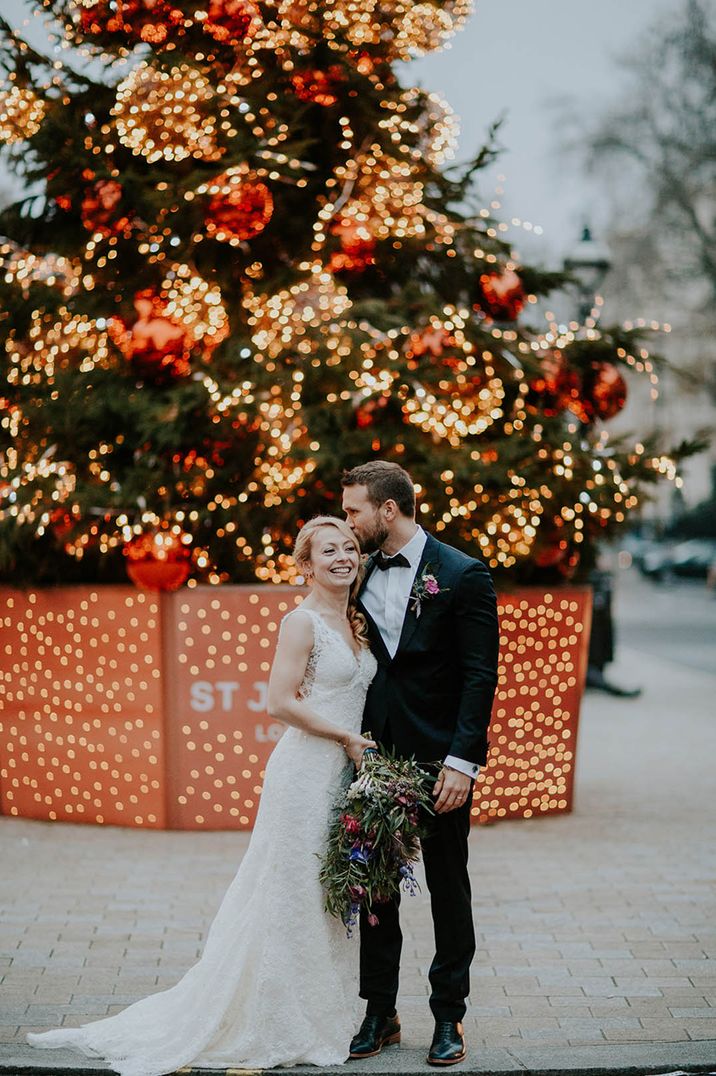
(356, 656)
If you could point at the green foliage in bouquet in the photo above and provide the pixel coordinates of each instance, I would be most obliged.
(374, 839)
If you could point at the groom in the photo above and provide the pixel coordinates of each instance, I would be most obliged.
(432, 619)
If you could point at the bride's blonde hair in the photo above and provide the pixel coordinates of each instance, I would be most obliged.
(302, 557)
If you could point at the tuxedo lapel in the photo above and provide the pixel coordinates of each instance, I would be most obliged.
(431, 556)
(380, 650)
(368, 569)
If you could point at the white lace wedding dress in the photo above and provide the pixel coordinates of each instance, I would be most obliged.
(277, 981)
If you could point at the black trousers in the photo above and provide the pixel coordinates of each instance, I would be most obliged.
(445, 860)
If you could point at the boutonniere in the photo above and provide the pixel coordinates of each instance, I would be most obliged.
(425, 586)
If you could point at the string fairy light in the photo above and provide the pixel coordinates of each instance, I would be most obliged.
(167, 115)
(293, 315)
(24, 268)
(21, 112)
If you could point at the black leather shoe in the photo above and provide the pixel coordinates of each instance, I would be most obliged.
(375, 1033)
(448, 1045)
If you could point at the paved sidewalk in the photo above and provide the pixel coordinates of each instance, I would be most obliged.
(596, 931)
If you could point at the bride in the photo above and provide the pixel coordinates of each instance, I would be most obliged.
(277, 981)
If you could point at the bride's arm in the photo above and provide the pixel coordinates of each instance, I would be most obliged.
(295, 642)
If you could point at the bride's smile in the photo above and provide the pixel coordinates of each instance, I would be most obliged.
(334, 562)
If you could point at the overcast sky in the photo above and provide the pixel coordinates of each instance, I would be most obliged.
(532, 60)
(529, 60)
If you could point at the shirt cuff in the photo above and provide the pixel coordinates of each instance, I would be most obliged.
(471, 769)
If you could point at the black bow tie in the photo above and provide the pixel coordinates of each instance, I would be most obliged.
(398, 561)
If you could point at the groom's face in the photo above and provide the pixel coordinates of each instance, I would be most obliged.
(365, 520)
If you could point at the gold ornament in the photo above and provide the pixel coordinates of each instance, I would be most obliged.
(425, 28)
(504, 524)
(356, 20)
(197, 305)
(167, 115)
(398, 27)
(279, 321)
(463, 409)
(423, 125)
(21, 113)
(510, 531)
(387, 197)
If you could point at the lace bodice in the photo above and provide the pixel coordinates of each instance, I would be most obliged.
(277, 981)
(334, 668)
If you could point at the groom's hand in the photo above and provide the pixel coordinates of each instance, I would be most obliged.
(451, 790)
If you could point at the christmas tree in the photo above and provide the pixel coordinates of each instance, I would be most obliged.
(247, 263)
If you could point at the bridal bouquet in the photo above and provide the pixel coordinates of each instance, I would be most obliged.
(373, 841)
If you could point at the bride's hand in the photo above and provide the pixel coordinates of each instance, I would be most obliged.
(355, 745)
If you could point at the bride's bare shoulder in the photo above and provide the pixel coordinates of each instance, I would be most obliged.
(297, 627)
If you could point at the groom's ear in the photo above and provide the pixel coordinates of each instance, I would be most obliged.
(390, 508)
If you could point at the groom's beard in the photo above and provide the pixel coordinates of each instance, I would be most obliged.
(375, 539)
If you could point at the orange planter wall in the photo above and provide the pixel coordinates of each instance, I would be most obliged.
(128, 708)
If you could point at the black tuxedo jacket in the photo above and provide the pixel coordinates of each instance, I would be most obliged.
(434, 697)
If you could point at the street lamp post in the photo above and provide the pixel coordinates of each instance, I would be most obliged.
(588, 264)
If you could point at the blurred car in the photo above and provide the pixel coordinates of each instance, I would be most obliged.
(654, 559)
(692, 559)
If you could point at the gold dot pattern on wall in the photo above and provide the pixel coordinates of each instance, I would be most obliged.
(81, 735)
(106, 721)
(224, 645)
(530, 767)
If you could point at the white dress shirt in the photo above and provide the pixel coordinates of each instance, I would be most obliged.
(386, 596)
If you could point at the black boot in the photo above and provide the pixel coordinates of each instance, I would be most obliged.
(375, 1033)
(448, 1045)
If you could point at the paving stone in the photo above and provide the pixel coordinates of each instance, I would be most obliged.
(664, 1033)
(596, 944)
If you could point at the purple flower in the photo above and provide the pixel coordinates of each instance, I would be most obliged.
(431, 585)
(359, 855)
(350, 919)
(373, 919)
(409, 880)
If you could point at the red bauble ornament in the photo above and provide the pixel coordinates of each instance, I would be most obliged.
(551, 553)
(604, 392)
(555, 389)
(62, 522)
(554, 551)
(139, 20)
(365, 64)
(434, 342)
(159, 559)
(232, 21)
(318, 86)
(370, 411)
(357, 248)
(99, 208)
(158, 347)
(501, 295)
(240, 210)
(99, 19)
